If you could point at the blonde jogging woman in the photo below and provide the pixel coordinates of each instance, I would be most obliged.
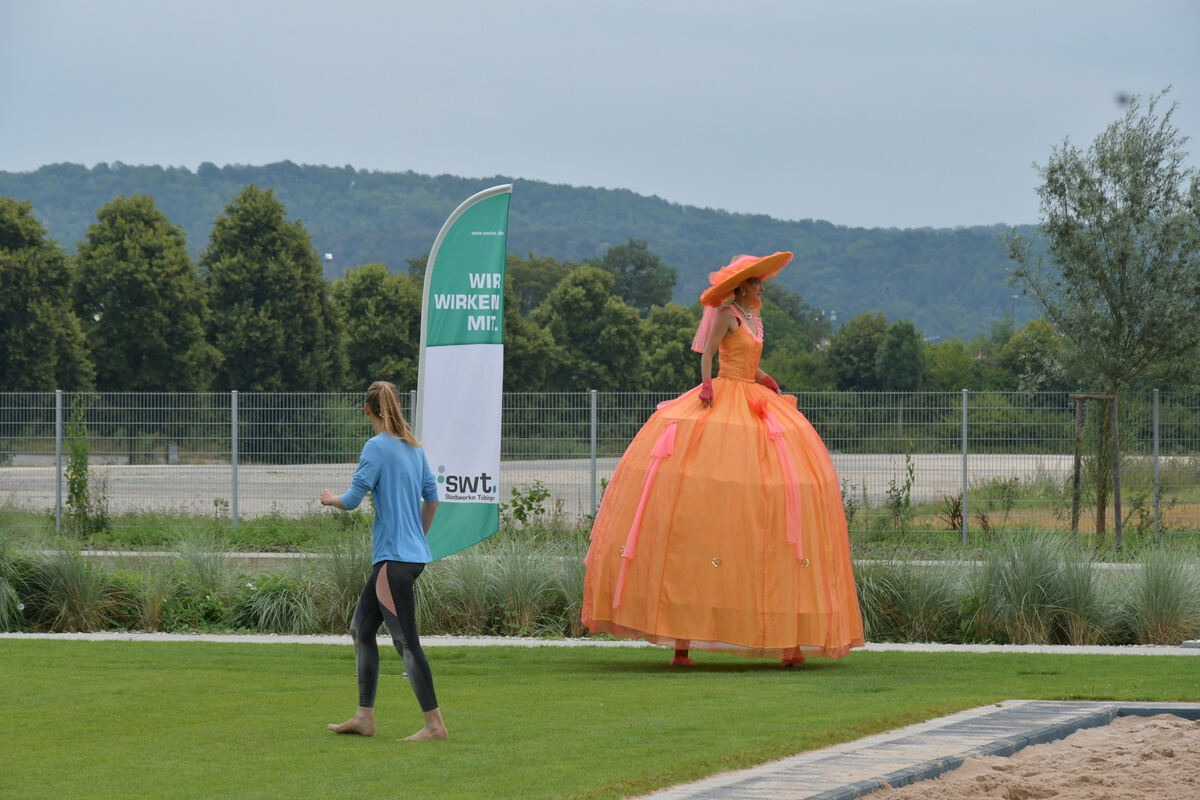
(394, 469)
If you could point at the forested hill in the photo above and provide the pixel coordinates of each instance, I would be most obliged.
(948, 282)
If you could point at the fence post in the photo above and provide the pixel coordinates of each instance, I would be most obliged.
(592, 427)
(1157, 530)
(412, 408)
(1117, 525)
(965, 478)
(58, 460)
(233, 456)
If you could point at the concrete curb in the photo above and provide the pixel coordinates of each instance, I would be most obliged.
(515, 641)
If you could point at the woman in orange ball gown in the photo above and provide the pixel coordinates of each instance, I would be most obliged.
(722, 527)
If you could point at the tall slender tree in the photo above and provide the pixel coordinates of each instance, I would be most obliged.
(139, 297)
(900, 359)
(41, 341)
(273, 317)
(1121, 283)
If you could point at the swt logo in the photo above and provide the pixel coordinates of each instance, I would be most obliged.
(467, 484)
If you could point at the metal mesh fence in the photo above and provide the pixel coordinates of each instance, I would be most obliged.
(908, 462)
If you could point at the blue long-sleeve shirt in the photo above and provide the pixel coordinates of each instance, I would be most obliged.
(398, 476)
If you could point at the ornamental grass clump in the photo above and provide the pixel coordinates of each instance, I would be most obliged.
(69, 593)
(153, 589)
(276, 603)
(522, 582)
(429, 594)
(568, 589)
(464, 599)
(1089, 607)
(203, 566)
(1019, 592)
(1162, 603)
(342, 569)
(909, 602)
(12, 567)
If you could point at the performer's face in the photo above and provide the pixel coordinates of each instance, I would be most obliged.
(752, 288)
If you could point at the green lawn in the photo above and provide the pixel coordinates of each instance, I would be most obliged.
(150, 720)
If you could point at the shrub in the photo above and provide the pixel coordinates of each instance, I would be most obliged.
(189, 608)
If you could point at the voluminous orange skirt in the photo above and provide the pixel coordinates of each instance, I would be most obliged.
(723, 529)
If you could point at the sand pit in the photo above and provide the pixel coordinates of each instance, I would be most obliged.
(1131, 758)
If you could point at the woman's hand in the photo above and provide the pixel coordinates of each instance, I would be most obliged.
(329, 498)
(769, 382)
(706, 393)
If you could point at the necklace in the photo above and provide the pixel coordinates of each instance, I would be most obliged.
(748, 315)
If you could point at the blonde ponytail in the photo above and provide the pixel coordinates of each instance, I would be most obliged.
(384, 402)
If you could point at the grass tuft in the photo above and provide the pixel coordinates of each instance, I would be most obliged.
(1163, 604)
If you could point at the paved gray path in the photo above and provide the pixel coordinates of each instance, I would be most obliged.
(918, 752)
(840, 772)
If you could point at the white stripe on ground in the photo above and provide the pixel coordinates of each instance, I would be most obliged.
(1187, 649)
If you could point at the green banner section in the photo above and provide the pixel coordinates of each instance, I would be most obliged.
(465, 299)
(457, 526)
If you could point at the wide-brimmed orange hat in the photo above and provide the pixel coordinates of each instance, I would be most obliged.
(729, 277)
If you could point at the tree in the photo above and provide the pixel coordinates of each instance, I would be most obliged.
(792, 323)
(529, 350)
(139, 297)
(273, 319)
(1121, 224)
(670, 363)
(596, 334)
(900, 359)
(41, 342)
(1034, 355)
(641, 279)
(382, 314)
(533, 279)
(852, 350)
(803, 371)
(949, 367)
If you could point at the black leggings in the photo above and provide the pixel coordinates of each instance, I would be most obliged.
(388, 597)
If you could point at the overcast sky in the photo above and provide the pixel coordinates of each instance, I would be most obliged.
(906, 113)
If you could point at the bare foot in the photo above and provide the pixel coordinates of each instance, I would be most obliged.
(357, 725)
(427, 733)
(434, 728)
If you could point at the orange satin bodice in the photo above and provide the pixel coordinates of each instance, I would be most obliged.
(738, 355)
